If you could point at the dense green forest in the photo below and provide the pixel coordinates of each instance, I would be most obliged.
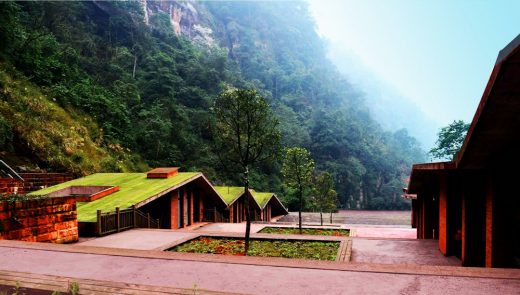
(123, 86)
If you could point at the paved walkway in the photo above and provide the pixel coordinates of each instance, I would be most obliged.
(355, 217)
(249, 274)
(141, 239)
(422, 252)
(384, 232)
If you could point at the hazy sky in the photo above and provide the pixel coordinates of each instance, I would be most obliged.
(437, 53)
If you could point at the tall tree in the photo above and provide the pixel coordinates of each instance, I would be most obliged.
(297, 169)
(450, 140)
(246, 134)
(324, 195)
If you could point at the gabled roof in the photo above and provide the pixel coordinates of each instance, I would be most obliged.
(496, 124)
(230, 193)
(260, 198)
(492, 137)
(135, 189)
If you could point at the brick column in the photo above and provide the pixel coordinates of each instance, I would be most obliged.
(192, 196)
(418, 215)
(185, 206)
(464, 254)
(201, 206)
(443, 222)
(489, 224)
(174, 209)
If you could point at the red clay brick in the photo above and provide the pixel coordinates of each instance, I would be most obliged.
(42, 238)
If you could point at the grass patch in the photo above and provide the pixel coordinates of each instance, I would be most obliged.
(266, 248)
(61, 138)
(306, 231)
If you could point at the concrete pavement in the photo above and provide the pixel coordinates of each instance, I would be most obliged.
(421, 252)
(141, 239)
(250, 274)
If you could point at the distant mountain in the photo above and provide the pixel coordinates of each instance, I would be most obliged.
(115, 86)
(391, 109)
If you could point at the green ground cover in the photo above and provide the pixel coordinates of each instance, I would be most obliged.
(133, 188)
(266, 248)
(229, 193)
(306, 231)
(261, 198)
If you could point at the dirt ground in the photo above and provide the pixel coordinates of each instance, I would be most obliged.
(365, 217)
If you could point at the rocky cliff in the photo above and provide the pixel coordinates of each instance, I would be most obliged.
(187, 18)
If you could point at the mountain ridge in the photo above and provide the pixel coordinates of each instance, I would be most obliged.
(146, 74)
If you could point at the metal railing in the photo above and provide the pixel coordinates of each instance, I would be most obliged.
(111, 222)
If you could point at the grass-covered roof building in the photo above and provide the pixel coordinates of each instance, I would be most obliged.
(265, 205)
(174, 199)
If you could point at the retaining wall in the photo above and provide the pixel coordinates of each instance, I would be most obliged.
(32, 182)
(43, 220)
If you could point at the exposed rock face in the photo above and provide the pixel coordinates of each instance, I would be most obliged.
(184, 18)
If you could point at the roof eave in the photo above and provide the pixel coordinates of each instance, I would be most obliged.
(512, 48)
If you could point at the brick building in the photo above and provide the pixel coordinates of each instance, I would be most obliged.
(265, 206)
(175, 199)
(472, 204)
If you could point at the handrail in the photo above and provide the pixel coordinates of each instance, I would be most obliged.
(110, 222)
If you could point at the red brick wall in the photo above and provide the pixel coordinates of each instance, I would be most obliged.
(37, 181)
(32, 182)
(46, 220)
(10, 186)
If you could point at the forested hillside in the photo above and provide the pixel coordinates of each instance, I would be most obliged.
(119, 86)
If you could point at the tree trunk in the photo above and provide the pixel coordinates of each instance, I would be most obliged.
(246, 204)
(321, 217)
(300, 211)
(330, 217)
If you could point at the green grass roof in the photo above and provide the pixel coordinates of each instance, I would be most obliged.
(261, 198)
(133, 188)
(229, 193)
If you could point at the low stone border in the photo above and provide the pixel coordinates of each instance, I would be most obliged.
(308, 225)
(344, 251)
(35, 283)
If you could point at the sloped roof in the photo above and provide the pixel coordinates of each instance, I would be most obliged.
(261, 198)
(135, 189)
(496, 124)
(493, 133)
(230, 193)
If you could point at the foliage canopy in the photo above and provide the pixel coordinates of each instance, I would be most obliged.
(140, 95)
(450, 139)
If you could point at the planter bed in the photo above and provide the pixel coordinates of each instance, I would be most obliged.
(319, 250)
(306, 231)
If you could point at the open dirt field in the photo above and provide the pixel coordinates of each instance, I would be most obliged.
(365, 217)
